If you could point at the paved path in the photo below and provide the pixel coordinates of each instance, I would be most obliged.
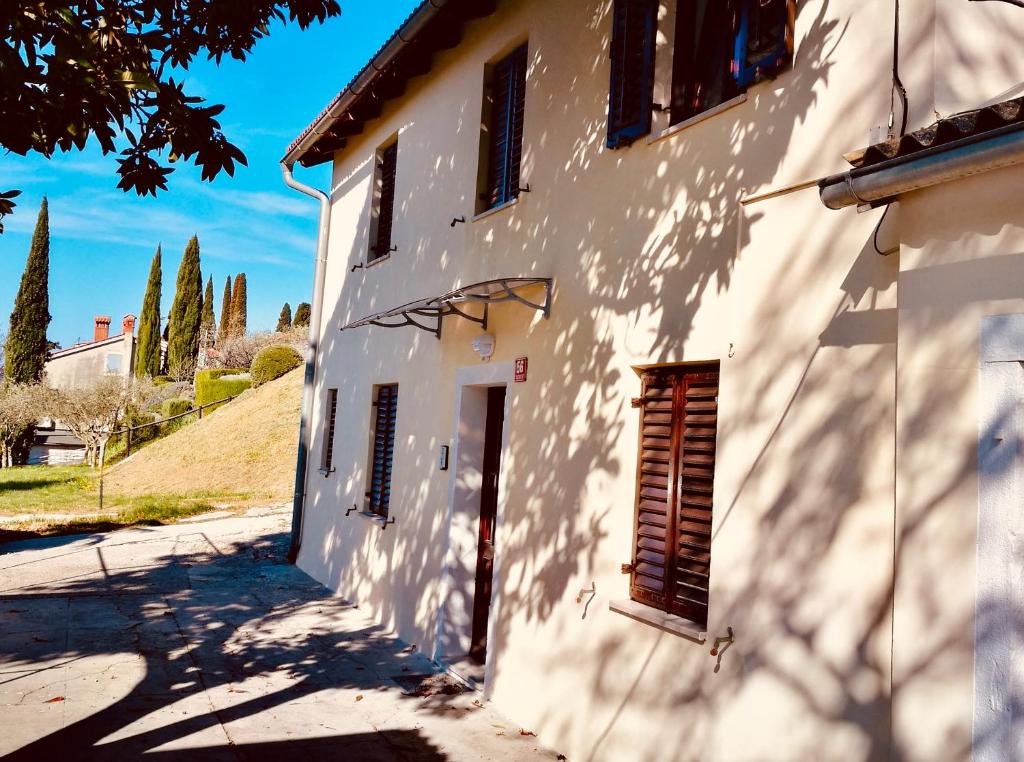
(197, 641)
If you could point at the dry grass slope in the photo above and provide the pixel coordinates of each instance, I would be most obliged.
(246, 447)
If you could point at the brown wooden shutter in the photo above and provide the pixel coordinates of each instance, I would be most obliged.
(672, 550)
(386, 202)
(386, 416)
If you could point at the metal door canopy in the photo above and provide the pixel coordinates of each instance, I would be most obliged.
(428, 314)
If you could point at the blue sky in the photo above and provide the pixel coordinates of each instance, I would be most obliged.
(102, 240)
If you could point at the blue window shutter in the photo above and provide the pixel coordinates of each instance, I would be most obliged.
(764, 40)
(631, 90)
(505, 150)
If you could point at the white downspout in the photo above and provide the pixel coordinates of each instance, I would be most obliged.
(316, 310)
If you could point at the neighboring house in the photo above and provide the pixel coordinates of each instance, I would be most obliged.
(79, 366)
(616, 420)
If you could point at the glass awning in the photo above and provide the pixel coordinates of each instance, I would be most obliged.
(428, 314)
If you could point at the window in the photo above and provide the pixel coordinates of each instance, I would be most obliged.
(383, 210)
(672, 533)
(327, 453)
(632, 70)
(382, 449)
(113, 363)
(501, 141)
(720, 48)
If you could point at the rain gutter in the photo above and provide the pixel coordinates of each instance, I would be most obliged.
(881, 183)
(417, 20)
(316, 311)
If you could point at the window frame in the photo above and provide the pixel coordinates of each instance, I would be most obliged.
(683, 377)
(668, 79)
(493, 192)
(330, 423)
(387, 414)
(382, 205)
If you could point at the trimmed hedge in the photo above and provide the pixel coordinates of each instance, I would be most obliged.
(273, 362)
(175, 406)
(162, 380)
(218, 383)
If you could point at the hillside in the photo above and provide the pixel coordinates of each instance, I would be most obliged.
(246, 447)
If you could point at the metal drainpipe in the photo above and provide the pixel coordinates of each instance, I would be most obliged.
(316, 309)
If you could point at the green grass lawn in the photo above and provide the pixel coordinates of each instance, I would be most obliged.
(73, 491)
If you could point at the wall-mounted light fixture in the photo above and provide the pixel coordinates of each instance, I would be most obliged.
(483, 345)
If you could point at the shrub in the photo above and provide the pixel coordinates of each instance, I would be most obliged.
(162, 380)
(274, 362)
(174, 406)
(217, 383)
(240, 351)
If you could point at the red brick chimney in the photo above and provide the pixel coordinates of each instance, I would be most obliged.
(102, 329)
(128, 325)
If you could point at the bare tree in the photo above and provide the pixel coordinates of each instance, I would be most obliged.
(93, 412)
(21, 405)
(239, 351)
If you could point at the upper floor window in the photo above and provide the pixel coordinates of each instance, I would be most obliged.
(501, 141)
(719, 48)
(382, 212)
(113, 363)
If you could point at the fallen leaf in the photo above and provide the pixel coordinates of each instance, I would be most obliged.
(359, 697)
(525, 732)
(54, 700)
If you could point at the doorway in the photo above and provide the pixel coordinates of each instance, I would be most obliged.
(470, 594)
(491, 470)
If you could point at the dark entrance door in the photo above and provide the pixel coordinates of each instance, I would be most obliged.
(488, 512)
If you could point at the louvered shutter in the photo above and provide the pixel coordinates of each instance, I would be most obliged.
(654, 507)
(505, 148)
(631, 91)
(332, 412)
(764, 40)
(672, 549)
(386, 406)
(386, 202)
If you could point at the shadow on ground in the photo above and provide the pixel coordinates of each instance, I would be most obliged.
(200, 642)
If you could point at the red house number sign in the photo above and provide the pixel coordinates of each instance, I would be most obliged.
(520, 369)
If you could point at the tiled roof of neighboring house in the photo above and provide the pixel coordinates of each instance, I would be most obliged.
(967, 124)
(433, 26)
(87, 345)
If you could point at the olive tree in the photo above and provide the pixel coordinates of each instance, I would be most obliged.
(21, 405)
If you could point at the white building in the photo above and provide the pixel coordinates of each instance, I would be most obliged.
(669, 459)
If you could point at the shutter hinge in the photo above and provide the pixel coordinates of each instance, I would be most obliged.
(636, 402)
(627, 568)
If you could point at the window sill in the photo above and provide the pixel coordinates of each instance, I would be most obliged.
(495, 210)
(374, 518)
(669, 623)
(378, 260)
(711, 112)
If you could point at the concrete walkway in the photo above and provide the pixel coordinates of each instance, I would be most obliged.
(197, 641)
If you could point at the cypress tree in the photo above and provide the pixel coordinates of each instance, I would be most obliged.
(225, 311)
(302, 316)
(209, 323)
(284, 322)
(147, 347)
(239, 311)
(186, 310)
(25, 350)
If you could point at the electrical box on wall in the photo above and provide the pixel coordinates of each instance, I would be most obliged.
(442, 458)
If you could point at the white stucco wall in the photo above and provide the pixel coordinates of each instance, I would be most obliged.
(821, 477)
